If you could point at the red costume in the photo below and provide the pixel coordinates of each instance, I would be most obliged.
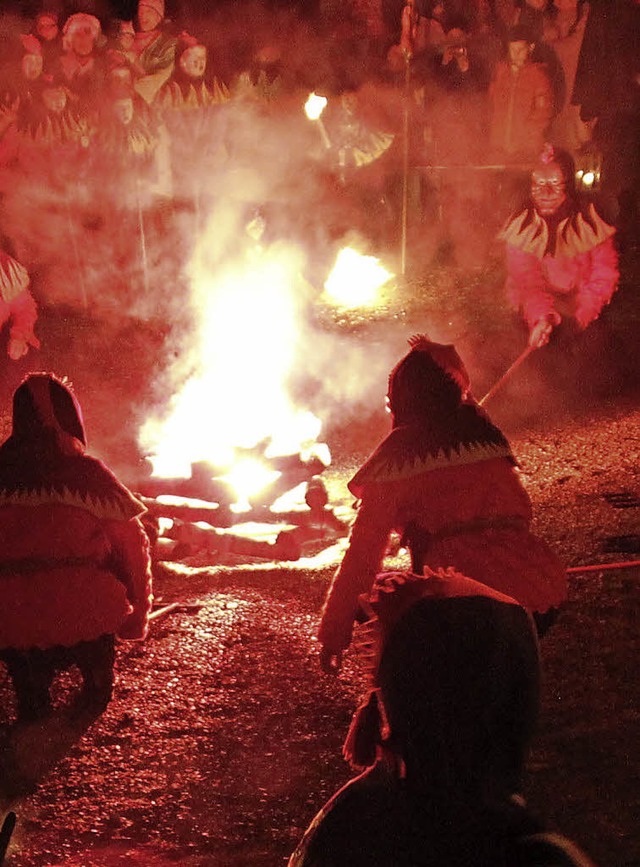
(445, 479)
(74, 561)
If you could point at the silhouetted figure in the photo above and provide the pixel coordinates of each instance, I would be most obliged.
(443, 734)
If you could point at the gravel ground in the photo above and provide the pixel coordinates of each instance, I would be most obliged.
(223, 737)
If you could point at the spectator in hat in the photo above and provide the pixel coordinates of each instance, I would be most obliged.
(520, 102)
(82, 64)
(46, 29)
(155, 49)
(442, 735)
(75, 558)
(445, 479)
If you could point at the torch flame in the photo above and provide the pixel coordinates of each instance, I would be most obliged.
(314, 106)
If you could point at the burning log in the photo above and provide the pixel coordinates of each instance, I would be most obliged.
(192, 531)
(202, 539)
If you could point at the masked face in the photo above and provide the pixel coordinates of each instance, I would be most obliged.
(548, 189)
(193, 61)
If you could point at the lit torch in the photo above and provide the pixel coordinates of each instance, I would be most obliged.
(313, 107)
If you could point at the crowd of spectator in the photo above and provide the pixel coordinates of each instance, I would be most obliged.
(121, 115)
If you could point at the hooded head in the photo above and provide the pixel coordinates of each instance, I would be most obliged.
(457, 679)
(44, 408)
(430, 379)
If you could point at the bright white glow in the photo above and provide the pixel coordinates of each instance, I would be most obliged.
(588, 178)
(355, 279)
(249, 476)
(242, 352)
(314, 106)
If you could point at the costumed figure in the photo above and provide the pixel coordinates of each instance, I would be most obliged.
(18, 307)
(562, 264)
(521, 102)
(445, 479)
(356, 157)
(51, 131)
(75, 566)
(155, 49)
(186, 88)
(188, 103)
(443, 733)
(82, 63)
(46, 29)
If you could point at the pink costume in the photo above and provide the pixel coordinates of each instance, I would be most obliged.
(575, 281)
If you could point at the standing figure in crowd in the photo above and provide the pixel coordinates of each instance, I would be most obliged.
(521, 102)
(445, 479)
(74, 557)
(155, 49)
(46, 30)
(607, 89)
(82, 62)
(562, 264)
(18, 307)
(443, 735)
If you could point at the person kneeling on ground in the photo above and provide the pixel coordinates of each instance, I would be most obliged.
(445, 479)
(443, 735)
(75, 569)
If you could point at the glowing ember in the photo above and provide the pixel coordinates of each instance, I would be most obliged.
(233, 407)
(314, 106)
(355, 279)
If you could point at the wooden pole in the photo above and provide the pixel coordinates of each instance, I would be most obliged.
(405, 162)
(599, 567)
(505, 376)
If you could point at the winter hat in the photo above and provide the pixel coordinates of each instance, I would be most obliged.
(430, 377)
(156, 5)
(79, 21)
(43, 402)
